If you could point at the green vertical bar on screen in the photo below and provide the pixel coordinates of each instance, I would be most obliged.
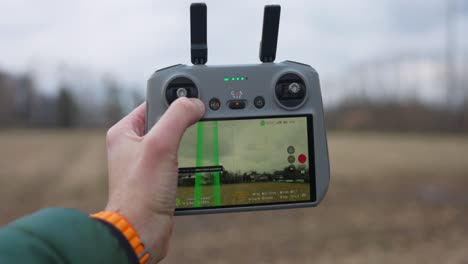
(216, 175)
(198, 163)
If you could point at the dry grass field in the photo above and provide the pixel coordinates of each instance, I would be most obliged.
(392, 199)
(241, 193)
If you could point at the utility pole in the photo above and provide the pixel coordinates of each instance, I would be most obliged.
(450, 52)
(454, 100)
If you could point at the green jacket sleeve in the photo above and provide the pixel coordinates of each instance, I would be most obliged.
(60, 235)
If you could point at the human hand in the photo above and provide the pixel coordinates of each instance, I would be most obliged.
(143, 170)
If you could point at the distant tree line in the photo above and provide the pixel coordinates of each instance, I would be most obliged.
(414, 93)
(394, 115)
(22, 104)
(228, 177)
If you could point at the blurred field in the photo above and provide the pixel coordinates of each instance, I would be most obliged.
(392, 199)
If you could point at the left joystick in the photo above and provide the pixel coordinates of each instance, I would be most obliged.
(180, 87)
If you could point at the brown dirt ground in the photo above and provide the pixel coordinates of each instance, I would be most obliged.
(392, 199)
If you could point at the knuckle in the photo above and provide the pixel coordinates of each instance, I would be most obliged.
(111, 136)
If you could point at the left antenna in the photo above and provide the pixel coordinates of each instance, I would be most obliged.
(199, 47)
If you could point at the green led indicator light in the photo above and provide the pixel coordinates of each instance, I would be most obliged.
(227, 79)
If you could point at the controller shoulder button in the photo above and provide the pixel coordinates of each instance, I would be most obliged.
(165, 68)
(300, 63)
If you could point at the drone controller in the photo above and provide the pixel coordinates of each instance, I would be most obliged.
(261, 143)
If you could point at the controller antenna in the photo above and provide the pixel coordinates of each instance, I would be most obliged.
(199, 48)
(271, 19)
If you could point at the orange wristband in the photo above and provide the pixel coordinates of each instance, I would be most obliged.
(127, 230)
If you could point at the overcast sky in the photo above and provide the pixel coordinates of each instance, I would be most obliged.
(131, 39)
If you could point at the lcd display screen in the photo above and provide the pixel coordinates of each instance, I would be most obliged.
(246, 162)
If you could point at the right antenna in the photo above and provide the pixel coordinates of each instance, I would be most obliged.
(271, 19)
(199, 48)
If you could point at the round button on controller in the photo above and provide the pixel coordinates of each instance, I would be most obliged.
(259, 102)
(214, 104)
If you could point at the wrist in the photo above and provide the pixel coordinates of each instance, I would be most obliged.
(154, 229)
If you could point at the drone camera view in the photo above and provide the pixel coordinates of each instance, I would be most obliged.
(246, 162)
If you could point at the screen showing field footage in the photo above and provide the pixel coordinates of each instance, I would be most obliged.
(244, 162)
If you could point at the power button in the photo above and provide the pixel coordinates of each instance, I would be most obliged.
(214, 104)
(259, 102)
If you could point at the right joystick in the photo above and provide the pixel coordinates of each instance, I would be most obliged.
(294, 88)
(290, 90)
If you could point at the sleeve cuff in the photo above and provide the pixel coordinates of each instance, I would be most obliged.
(132, 257)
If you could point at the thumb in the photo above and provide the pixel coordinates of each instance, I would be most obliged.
(165, 136)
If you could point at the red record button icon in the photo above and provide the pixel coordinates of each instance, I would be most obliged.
(302, 158)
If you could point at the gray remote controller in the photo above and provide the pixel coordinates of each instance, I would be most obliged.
(279, 101)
